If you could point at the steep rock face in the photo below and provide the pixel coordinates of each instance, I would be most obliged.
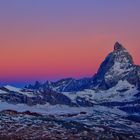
(118, 65)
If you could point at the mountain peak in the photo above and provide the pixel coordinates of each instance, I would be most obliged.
(116, 66)
(118, 47)
(121, 55)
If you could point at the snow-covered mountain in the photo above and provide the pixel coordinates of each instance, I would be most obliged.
(118, 65)
(117, 80)
(107, 103)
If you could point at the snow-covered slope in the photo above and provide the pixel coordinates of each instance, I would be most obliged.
(122, 92)
(9, 89)
(15, 95)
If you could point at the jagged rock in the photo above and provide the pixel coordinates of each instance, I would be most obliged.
(118, 47)
(64, 85)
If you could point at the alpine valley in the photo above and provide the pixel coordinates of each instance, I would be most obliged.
(105, 106)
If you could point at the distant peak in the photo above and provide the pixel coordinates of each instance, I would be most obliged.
(118, 47)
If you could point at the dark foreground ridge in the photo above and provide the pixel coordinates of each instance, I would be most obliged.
(33, 126)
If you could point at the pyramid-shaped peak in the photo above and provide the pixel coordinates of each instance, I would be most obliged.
(117, 65)
(118, 47)
(121, 55)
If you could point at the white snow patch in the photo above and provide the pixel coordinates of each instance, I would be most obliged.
(3, 92)
(11, 88)
(18, 90)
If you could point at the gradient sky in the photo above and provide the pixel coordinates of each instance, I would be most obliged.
(54, 39)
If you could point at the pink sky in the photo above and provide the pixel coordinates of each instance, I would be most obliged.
(51, 40)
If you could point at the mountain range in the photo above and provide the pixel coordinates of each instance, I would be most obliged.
(118, 65)
(107, 103)
(117, 79)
